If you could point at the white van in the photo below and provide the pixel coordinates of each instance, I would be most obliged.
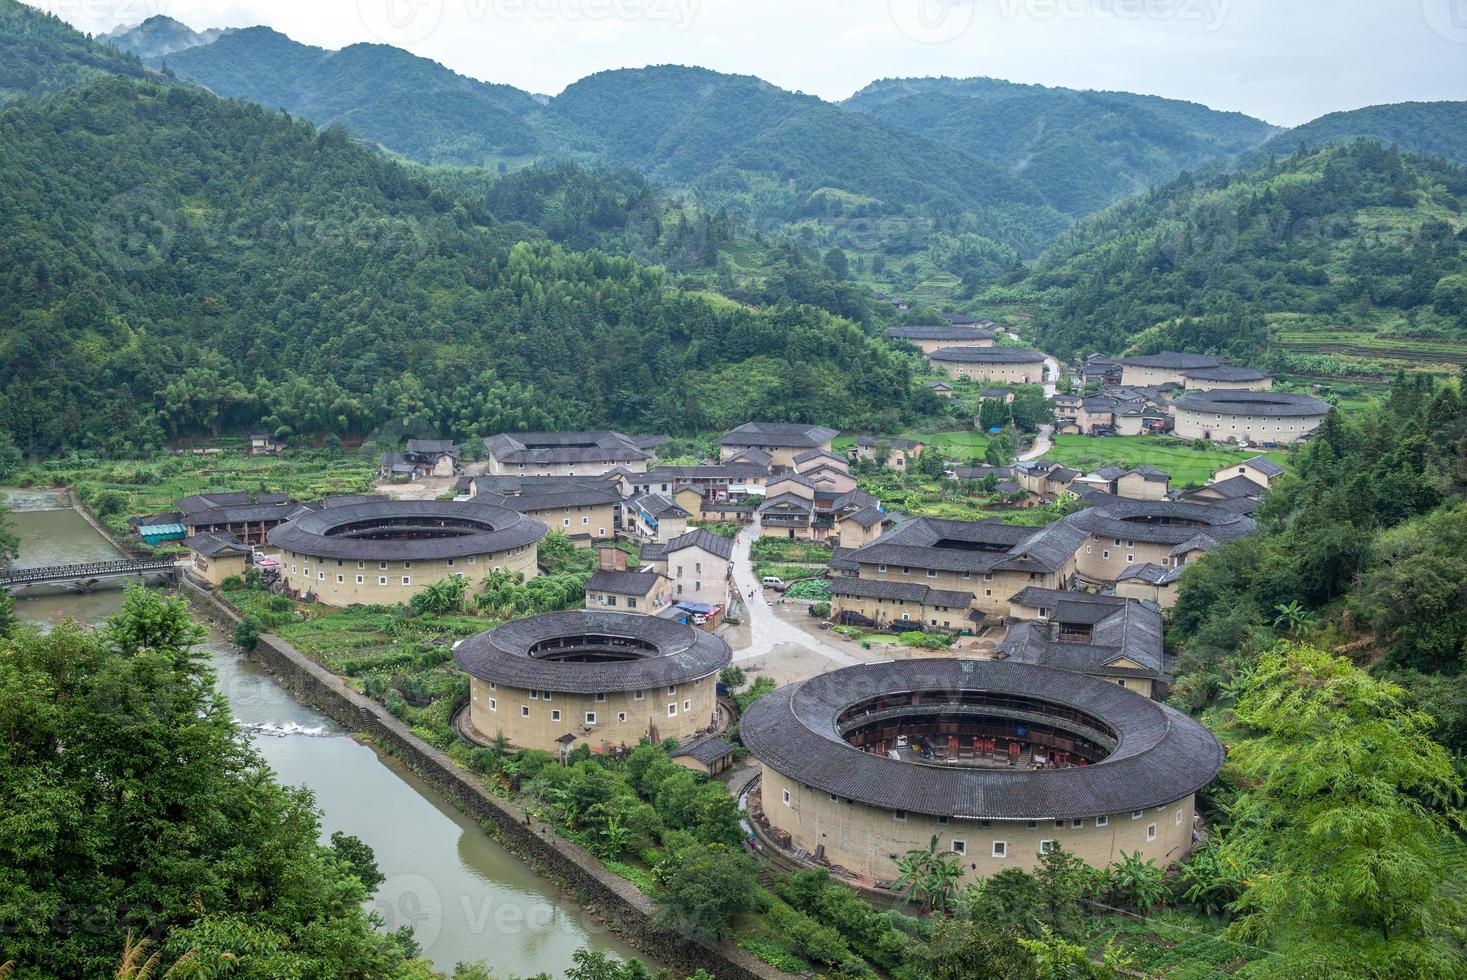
(774, 582)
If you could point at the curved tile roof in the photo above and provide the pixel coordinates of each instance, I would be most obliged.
(1147, 520)
(1173, 360)
(1160, 756)
(940, 332)
(332, 531)
(1269, 403)
(987, 355)
(677, 654)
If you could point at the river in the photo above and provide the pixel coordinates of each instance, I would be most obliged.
(466, 897)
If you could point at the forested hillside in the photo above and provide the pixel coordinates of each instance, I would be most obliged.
(173, 263)
(1358, 239)
(410, 105)
(1083, 150)
(41, 53)
(1425, 128)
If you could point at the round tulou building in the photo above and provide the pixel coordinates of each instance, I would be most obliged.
(602, 679)
(1256, 416)
(998, 761)
(386, 551)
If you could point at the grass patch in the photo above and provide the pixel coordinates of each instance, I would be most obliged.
(1183, 460)
(776, 550)
(116, 489)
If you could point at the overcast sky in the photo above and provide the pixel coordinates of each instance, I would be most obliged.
(1286, 61)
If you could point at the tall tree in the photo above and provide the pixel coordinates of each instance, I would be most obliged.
(1352, 810)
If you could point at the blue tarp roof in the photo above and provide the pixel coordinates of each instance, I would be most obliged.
(162, 529)
(697, 607)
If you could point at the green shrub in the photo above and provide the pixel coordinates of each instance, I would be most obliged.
(247, 633)
(925, 641)
(232, 583)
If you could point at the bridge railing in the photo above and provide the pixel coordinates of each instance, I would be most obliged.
(84, 570)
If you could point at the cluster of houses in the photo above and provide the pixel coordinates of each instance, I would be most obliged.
(1192, 396)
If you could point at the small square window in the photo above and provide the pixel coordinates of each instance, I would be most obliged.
(1102, 821)
(1000, 849)
(524, 711)
(1077, 823)
(590, 717)
(671, 690)
(1137, 814)
(1045, 846)
(942, 821)
(381, 579)
(601, 698)
(687, 705)
(672, 711)
(786, 797)
(555, 715)
(960, 847)
(493, 705)
(1033, 825)
(899, 815)
(621, 716)
(639, 695)
(534, 695)
(361, 579)
(407, 580)
(1151, 831)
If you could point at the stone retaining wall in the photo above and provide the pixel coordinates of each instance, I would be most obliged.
(614, 900)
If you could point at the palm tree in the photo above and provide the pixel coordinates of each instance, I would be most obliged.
(930, 876)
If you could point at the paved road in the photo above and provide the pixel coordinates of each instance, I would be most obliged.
(766, 630)
(1042, 443)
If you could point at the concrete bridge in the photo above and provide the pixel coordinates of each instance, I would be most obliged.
(87, 574)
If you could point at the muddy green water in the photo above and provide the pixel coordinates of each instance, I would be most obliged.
(466, 897)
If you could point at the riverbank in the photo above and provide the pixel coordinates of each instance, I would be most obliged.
(612, 899)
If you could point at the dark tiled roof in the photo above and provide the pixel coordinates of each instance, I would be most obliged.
(1153, 521)
(1160, 755)
(938, 332)
(1233, 487)
(1130, 631)
(701, 537)
(511, 485)
(905, 445)
(652, 552)
(1069, 607)
(867, 516)
(528, 503)
(1265, 466)
(1173, 360)
(565, 447)
(841, 560)
(1228, 372)
(1152, 574)
(677, 653)
(622, 583)
(900, 591)
(212, 545)
(714, 471)
(330, 532)
(659, 506)
(811, 454)
(708, 751)
(785, 435)
(970, 546)
(754, 457)
(987, 355)
(1271, 404)
(431, 447)
(1151, 474)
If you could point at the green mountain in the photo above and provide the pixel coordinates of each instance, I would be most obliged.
(158, 37)
(174, 263)
(40, 53)
(410, 105)
(1427, 128)
(1083, 150)
(1359, 249)
(776, 155)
